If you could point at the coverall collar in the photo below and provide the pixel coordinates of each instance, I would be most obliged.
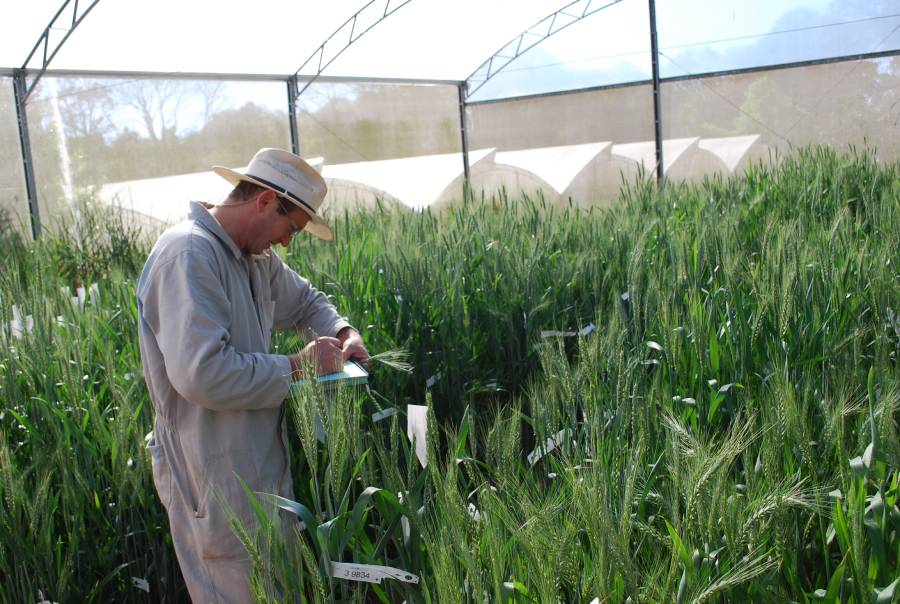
(200, 213)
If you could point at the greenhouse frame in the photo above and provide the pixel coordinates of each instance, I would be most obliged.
(564, 152)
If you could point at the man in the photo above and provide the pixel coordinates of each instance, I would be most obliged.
(208, 298)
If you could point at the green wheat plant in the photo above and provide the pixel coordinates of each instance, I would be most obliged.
(720, 426)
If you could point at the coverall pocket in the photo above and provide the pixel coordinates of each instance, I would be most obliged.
(162, 474)
(226, 501)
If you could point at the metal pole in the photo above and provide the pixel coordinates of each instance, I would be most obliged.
(20, 88)
(463, 131)
(292, 114)
(657, 113)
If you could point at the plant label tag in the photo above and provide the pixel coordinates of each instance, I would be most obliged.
(550, 444)
(370, 573)
(140, 583)
(384, 414)
(553, 333)
(430, 382)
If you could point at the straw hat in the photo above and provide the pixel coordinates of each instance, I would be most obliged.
(289, 176)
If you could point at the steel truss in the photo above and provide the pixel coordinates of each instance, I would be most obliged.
(47, 54)
(531, 37)
(348, 29)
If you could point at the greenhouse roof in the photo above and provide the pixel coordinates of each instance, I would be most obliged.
(448, 40)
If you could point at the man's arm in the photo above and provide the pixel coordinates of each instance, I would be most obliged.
(300, 305)
(188, 314)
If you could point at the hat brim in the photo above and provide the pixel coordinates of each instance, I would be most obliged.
(316, 226)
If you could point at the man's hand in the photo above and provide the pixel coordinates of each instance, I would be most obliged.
(328, 354)
(325, 354)
(352, 345)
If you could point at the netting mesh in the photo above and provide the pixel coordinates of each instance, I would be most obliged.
(838, 104)
(148, 144)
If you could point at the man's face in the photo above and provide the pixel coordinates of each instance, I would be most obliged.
(279, 220)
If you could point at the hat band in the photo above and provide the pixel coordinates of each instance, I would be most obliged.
(281, 190)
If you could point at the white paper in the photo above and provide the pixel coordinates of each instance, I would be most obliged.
(417, 430)
(140, 583)
(94, 292)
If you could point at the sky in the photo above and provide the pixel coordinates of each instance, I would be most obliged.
(449, 39)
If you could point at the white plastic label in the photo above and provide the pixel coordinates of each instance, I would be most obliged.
(370, 573)
(551, 443)
(552, 333)
(432, 380)
(384, 414)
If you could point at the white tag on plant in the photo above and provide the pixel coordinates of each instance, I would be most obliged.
(552, 333)
(432, 380)
(370, 573)
(384, 414)
(18, 327)
(550, 444)
(94, 293)
(140, 583)
(587, 329)
(417, 430)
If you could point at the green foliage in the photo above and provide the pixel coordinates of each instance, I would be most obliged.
(729, 432)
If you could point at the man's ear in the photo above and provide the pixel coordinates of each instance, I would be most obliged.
(266, 197)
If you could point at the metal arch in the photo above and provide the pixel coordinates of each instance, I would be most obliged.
(44, 40)
(352, 36)
(531, 37)
(22, 90)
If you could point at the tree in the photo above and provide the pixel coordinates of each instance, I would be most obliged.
(156, 103)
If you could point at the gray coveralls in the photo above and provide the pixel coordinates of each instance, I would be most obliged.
(205, 314)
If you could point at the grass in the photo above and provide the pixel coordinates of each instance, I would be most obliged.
(729, 429)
